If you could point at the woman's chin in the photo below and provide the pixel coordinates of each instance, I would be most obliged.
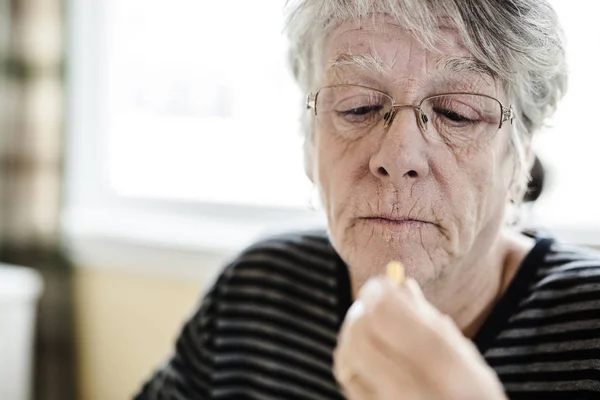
(371, 258)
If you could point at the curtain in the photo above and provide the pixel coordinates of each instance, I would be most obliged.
(31, 146)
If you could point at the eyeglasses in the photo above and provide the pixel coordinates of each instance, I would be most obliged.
(353, 111)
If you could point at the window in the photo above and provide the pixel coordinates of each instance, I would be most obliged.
(569, 146)
(184, 123)
(184, 114)
(201, 104)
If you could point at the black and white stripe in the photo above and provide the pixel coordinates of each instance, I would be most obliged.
(268, 326)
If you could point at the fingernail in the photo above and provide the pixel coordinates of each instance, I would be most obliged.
(355, 311)
(371, 290)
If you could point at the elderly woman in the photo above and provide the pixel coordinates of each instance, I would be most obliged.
(418, 131)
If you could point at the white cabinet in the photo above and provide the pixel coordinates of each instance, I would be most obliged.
(20, 289)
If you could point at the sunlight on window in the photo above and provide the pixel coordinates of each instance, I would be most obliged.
(569, 147)
(202, 105)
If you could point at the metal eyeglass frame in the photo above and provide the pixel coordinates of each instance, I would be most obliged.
(506, 113)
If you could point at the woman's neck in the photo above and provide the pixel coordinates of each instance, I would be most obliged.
(469, 296)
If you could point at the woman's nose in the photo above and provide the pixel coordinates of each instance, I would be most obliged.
(401, 153)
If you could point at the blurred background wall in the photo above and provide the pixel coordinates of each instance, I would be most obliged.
(126, 325)
(32, 118)
(126, 322)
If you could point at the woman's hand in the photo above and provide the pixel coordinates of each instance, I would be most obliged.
(395, 345)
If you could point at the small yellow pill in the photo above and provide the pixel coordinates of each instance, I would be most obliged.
(395, 271)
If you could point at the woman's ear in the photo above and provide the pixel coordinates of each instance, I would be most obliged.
(308, 169)
(309, 166)
(314, 201)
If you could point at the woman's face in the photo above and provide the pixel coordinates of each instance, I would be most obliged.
(397, 193)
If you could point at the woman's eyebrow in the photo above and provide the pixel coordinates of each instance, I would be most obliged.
(461, 72)
(367, 62)
(371, 63)
(461, 64)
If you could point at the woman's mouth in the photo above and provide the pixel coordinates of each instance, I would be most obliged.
(396, 223)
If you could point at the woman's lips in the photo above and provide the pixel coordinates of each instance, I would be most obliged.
(396, 223)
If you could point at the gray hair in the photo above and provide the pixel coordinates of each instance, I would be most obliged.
(520, 42)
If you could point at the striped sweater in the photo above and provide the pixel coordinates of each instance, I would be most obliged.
(268, 327)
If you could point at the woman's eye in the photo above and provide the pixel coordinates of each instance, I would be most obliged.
(364, 110)
(454, 116)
